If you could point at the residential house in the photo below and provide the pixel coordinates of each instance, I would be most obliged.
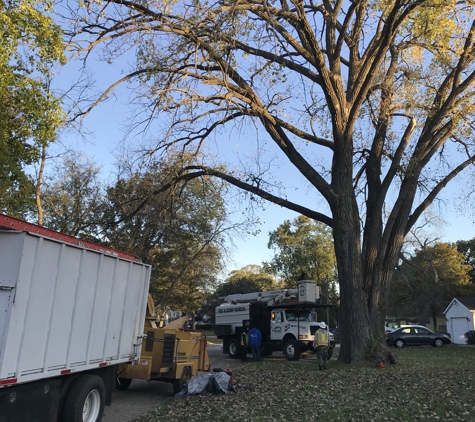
(460, 318)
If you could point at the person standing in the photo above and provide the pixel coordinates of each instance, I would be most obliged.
(321, 342)
(244, 342)
(255, 339)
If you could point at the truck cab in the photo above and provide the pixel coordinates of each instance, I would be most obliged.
(292, 329)
(284, 320)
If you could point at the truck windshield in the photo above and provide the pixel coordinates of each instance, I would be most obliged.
(294, 316)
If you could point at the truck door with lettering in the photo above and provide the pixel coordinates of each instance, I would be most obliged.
(277, 328)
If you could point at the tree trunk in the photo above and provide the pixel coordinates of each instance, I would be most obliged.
(364, 273)
(355, 330)
(354, 327)
(38, 186)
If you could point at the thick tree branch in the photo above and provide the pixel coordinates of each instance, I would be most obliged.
(193, 172)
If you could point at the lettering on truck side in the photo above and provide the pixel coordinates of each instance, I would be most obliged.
(240, 309)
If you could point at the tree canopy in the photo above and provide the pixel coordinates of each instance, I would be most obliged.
(73, 197)
(302, 246)
(181, 231)
(370, 101)
(29, 114)
(467, 248)
(251, 278)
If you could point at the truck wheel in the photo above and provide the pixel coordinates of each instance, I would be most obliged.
(122, 384)
(178, 384)
(85, 400)
(292, 350)
(234, 348)
(330, 353)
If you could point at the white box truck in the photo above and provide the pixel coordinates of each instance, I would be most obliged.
(70, 312)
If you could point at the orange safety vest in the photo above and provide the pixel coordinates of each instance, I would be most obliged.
(322, 338)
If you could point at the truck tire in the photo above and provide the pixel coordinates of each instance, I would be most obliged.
(234, 348)
(330, 353)
(292, 350)
(122, 384)
(85, 400)
(179, 383)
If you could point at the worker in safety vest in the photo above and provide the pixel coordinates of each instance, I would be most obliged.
(320, 343)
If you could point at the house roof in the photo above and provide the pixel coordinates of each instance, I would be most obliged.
(467, 301)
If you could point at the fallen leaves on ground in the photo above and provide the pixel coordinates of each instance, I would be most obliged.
(427, 385)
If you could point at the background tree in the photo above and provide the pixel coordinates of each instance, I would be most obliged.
(180, 231)
(73, 196)
(467, 248)
(29, 114)
(371, 102)
(251, 278)
(303, 246)
(427, 281)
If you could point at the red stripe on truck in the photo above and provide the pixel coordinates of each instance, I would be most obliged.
(12, 223)
(8, 381)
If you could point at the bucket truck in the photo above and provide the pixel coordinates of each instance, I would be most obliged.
(287, 320)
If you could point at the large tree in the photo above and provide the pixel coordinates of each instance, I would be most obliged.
(29, 114)
(371, 101)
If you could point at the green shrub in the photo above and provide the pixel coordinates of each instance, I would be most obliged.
(470, 336)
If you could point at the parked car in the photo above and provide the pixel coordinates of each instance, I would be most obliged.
(416, 335)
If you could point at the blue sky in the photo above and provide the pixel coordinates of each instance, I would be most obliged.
(106, 124)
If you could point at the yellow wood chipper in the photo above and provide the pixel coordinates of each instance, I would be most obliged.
(171, 353)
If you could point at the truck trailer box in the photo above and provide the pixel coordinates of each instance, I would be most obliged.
(65, 308)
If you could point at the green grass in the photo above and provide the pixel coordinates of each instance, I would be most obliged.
(426, 383)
